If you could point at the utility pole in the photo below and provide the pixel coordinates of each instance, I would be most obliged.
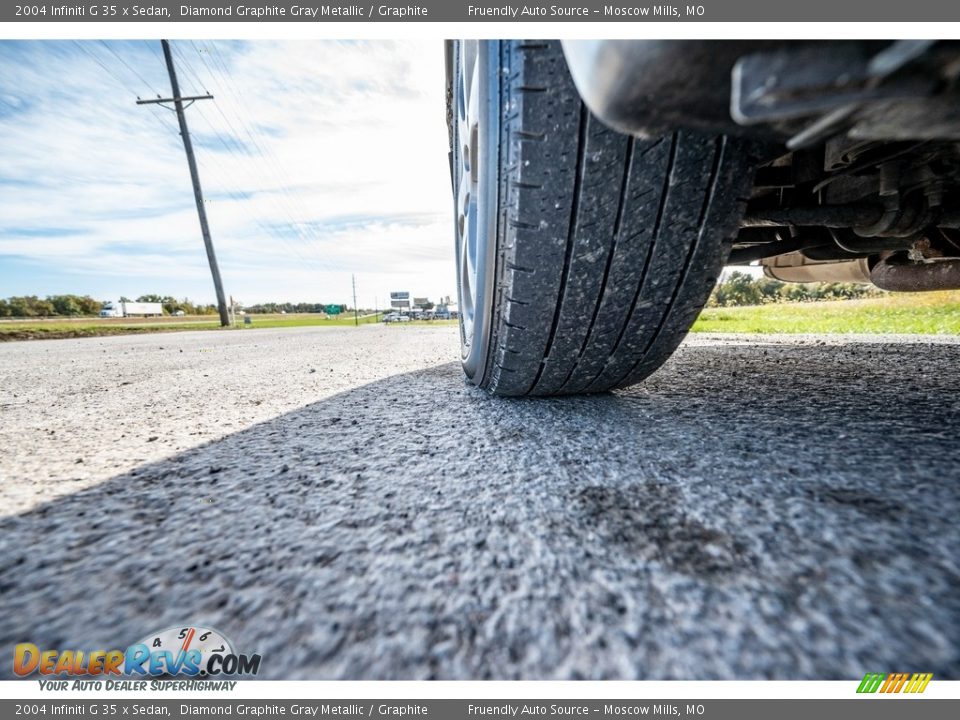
(356, 320)
(178, 101)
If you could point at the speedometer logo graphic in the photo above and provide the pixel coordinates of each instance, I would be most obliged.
(183, 639)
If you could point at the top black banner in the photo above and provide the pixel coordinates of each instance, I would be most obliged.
(460, 11)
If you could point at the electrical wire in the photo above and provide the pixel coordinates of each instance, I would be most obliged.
(284, 200)
(165, 124)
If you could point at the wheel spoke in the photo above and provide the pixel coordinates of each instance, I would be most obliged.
(468, 124)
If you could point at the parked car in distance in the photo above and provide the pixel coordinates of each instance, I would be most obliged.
(395, 317)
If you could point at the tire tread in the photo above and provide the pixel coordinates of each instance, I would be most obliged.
(608, 246)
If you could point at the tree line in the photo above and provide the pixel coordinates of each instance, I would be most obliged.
(742, 289)
(49, 306)
(278, 307)
(27, 306)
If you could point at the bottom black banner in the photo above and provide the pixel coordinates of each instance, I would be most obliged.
(874, 708)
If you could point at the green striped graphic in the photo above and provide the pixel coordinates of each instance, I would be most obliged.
(871, 682)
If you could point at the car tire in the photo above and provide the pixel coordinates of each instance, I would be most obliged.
(583, 255)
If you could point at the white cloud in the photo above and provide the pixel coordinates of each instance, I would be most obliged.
(318, 160)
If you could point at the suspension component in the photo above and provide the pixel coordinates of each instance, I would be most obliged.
(866, 219)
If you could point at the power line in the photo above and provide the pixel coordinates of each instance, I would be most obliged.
(294, 205)
(245, 157)
(245, 207)
(129, 67)
(237, 133)
(120, 83)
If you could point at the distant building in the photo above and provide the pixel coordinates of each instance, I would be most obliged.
(445, 311)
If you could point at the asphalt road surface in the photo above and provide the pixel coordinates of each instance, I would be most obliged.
(339, 501)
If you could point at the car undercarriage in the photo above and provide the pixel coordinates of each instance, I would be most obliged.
(858, 145)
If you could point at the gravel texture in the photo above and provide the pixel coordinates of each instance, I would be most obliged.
(339, 501)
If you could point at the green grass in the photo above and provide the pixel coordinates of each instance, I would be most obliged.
(93, 327)
(935, 313)
(272, 321)
(55, 328)
(920, 313)
(303, 320)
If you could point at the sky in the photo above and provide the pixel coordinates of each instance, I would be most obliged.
(318, 159)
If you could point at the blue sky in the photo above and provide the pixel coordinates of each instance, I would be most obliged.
(318, 160)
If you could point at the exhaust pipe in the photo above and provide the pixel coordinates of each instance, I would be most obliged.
(916, 277)
(797, 268)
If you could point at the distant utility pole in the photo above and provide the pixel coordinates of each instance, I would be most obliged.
(178, 101)
(356, 320)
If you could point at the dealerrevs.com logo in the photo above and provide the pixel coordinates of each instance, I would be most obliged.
(190, 651)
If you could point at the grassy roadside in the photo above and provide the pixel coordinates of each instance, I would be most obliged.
(305, 320)
(921, 313)
(58, 328)
(936, 313)
(53, 330)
